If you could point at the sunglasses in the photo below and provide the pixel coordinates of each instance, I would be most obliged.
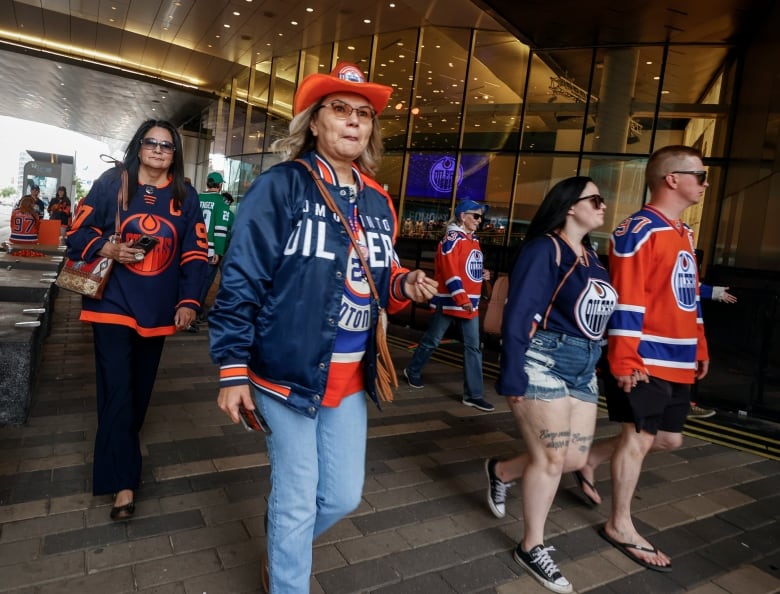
(153, 143)
(595, 199)
(343, 110)
(700, 175)
(477, 216)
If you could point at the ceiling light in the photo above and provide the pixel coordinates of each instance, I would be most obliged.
(367, 21)
(236, 13)
(294, 23)
(226, 26)
(351, 48)
(309, 10)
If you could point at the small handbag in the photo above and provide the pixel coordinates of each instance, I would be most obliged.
(386, 378)
(90, 278)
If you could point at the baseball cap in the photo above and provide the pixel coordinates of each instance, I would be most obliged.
(215, 178)
(467, 205)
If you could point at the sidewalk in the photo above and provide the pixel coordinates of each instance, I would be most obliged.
(423, 525)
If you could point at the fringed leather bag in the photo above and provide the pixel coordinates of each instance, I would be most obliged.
(386, 378)
(90, 278)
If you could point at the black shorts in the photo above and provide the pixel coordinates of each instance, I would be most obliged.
(652, 407)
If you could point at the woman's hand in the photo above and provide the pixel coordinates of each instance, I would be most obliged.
(229, 399)
(124, 253)
(183, 318)
(420, 287)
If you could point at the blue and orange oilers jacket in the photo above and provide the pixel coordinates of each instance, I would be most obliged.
(280, 303)
(657, 326)
(143, 295)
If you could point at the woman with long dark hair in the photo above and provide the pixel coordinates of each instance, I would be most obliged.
(556, 313)
(160, 261)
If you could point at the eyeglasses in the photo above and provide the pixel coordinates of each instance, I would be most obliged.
(595, 199)
(343, 110)
(153, 143)
(700, 175)
(477, 216)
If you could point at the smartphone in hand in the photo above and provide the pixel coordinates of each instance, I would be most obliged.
(146, 243)
(252, 420)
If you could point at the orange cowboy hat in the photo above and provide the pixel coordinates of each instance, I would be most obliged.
(344, 78)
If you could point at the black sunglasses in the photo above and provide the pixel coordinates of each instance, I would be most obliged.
(595, 199)
(476, 215)
(153, 143)
(700, 175)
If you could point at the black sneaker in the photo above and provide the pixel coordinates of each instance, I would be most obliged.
(541, 566)
(496, 493)
(479, 403)
(415, 381)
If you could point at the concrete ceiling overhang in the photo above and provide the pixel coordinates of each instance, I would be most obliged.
(100, 67)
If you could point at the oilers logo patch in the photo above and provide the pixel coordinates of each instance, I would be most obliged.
(684, 281)
(594, 307)
(351, 74)
(161, 256)
(474, 266)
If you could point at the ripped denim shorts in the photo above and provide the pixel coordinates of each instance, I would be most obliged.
(559, 365)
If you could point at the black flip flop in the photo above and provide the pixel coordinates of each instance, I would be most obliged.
(582, 481)
(627, 547)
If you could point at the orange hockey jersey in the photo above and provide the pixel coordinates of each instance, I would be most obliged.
(657, 325)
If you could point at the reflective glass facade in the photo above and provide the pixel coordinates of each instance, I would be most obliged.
(479, 114)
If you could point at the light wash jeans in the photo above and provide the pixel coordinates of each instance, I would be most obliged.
(472, 356)
(317, 472)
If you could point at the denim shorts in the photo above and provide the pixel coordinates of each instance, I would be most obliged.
(559, 365)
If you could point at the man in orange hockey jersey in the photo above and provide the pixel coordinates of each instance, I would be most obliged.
(657, 347)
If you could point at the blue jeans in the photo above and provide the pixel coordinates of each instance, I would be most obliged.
(317, 472)
(472, 356)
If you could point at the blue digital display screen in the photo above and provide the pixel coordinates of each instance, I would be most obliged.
(432, 175)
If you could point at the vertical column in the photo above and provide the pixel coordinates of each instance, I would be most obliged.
(615, 96)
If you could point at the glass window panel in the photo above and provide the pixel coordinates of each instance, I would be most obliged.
(317, 60)
(357, 51)
(285, 70)
(496, 76)
(261, 86)
(389, 175)
(622, 184)
(556, 101)
(439, 88)
(427, 199)
(535, 176)
(694, 106)
(394, 65)
(498, 193)
(625, 90)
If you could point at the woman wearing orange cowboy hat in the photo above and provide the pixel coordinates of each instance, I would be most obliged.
(292, 327)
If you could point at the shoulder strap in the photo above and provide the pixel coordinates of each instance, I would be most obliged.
(334, 207)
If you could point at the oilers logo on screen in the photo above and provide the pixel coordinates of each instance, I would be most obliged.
(684, 281)
(442, 174)
(474, 266)
(594, 307)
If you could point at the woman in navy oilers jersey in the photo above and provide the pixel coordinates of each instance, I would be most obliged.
(150, 294)
(557, 309)
(292, 325)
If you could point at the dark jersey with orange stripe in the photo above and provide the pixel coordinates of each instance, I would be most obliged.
(146, 294)
(551, 289)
